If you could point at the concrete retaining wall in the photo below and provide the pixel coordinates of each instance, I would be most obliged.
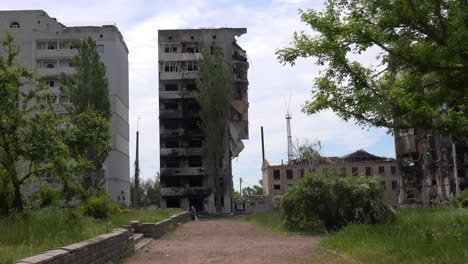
(155, 230)
(107, 248)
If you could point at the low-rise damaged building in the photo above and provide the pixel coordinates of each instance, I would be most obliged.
(433, 169)
(184, 179)
(277, 179)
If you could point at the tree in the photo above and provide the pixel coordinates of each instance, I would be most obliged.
(149, 191)
(89, 97)
(420, 80)
(89, 86)
(31, 140)
(214, 97)
(308, 151)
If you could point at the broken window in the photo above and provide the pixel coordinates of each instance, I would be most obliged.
(192, 66)
(192, 49)
(276, 174)
(301, 173)
(393, 170)
(354, 171)
(170, 124)
(170, 48)
(173, 181)
(195, 162)
(368, 171)
(394, 185)
(172, 144)
(196, 181)
(172, 164)
(195, 144)
(50, 83)
(277, 187)
(171, 66)
(171, 87)
(173, 202)
(191, 87)
(289, 174)
(383, 185)
(381, 170)
(171, 106)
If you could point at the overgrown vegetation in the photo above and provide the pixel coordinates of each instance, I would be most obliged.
(149, 191)
(32, 232)
(416, 236)
(461, 200)
(327, 202)
(214, 94)
(271, 221)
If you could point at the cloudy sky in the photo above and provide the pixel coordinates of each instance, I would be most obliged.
(270, 25)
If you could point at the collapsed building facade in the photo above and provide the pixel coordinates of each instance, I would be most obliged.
(184, 179)
(48, 47)
(433, 169)
(277, 179)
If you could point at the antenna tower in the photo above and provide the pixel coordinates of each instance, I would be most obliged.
(288, 127)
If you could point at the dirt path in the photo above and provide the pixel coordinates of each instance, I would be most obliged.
(226, 241)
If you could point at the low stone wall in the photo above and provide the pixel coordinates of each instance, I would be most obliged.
(101, 249)
(107, 248)
(156, 230)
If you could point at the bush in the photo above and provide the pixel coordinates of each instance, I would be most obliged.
(99, 207)
(46, 196)
(328, 202)
(462, 200)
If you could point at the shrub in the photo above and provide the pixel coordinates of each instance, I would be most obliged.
(318, 202)
(99, 207)
(46, 196)
(462, 199)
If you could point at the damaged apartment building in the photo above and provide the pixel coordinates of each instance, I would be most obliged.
(184, 180)
(277, 179)
(433, 169)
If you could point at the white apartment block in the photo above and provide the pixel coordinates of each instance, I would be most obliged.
(47, 47)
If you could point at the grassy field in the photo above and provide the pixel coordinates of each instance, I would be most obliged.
(34, 232)
(417, 236)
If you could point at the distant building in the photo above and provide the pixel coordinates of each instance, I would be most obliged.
(277, 179)
(184, 180)
(47, 46)
(429, 172)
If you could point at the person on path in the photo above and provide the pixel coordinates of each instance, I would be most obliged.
(193, 214)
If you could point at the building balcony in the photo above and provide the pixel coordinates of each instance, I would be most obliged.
(178, 75)
(183, 171)
(179, 56)
(56, 71)
(56, 53)
(175, 94)
(181, 191)
(180, 151)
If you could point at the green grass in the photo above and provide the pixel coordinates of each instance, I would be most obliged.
(33, 232)
(271, 221)
(416, 236)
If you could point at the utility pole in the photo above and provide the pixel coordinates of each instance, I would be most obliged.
(137, 171)
(240, 187)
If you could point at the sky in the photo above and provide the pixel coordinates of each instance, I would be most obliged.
(272, 86)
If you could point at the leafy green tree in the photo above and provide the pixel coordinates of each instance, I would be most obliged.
(214, 97)
(421, 74)
(89, 86)
(90, 113)
(30, 139)
(150, 191)
(308, 151)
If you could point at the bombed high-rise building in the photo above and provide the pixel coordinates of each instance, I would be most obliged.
(184, 179)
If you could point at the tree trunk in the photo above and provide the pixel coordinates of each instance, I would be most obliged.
(17, 200)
